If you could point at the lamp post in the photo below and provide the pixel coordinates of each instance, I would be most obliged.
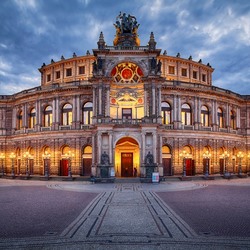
(225, 155)
(46, 157)
(184, 155)
(12, 157)
(26, 156)
(207, 156)
(2, 156)
(69, 155)
(240, 156)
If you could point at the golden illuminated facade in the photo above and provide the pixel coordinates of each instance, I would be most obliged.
(114, 107)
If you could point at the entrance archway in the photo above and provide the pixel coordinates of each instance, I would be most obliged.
(127, 157)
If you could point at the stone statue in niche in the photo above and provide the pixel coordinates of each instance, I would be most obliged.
(105, 159)
(149, 160)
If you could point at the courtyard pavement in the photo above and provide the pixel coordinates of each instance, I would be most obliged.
(201, 214)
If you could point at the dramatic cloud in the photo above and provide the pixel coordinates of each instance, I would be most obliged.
(33, 32)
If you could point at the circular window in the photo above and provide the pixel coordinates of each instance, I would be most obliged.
(126, 73)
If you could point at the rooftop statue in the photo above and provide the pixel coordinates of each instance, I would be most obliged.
(126, 30)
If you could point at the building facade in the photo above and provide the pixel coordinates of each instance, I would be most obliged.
(120, 105)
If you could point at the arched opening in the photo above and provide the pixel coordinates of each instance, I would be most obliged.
(188, 160)
(127, 157)
(87, 161)
(166, 160)
(64, 162)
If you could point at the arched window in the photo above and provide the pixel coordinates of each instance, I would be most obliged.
(166, 113)
(20, 120)
(204, 116)
(48, 116)
(32, 118)
(220, 118)
(232, 119)
(186, 117)
(87, 111)
(67, 114)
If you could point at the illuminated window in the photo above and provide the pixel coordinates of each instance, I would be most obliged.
(48, 116)
(67, 114)
(166, 113)
(232, 120)
(204, 116)
(171, 70)
(184, 72)
(32, 118)
(87, 113)
(186, 114)
(220, 118)
(127, 113)
(20, 120)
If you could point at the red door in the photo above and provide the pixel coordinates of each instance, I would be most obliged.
(127, 164)
(166, 163)
(64, 167)
(189, 168)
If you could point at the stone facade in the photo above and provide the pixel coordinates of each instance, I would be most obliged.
(125, 100)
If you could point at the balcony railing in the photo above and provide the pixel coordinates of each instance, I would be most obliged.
(126, 121)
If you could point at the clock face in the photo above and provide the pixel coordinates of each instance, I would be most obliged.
(127, 73)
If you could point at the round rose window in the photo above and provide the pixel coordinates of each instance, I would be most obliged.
(126, 73)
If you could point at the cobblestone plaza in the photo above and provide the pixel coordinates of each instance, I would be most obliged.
(80, 215)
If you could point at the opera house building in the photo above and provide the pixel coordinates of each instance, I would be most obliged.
(122, 111)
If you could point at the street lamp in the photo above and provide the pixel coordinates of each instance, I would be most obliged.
(26, 156)
(46, 157)
(12, 157)
(2, 157)
(225, 155)
(240, 156)
(69, 155)
(184, 155)
(207, 156)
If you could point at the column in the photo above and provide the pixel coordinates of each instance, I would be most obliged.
(100, 101)
(111, 148)
(14, 117)
(108, 102)
(57, 110)
(54, 111)
(159, 101)
(153, 99)
(145, 101)
(237, 118)
(25, 116)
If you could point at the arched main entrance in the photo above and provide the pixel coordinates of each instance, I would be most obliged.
(127, 157)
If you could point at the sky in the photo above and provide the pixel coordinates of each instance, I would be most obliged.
(33, 32)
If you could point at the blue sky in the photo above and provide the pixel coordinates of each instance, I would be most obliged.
(35, 31)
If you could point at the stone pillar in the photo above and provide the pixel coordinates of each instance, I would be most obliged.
(108, 102)
(153, 99)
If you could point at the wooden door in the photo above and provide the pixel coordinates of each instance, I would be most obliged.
(189, 168)
(31, 166)
(166, 163)
(86, 164)
(127, 164)
(221, 166)
(64, 167)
